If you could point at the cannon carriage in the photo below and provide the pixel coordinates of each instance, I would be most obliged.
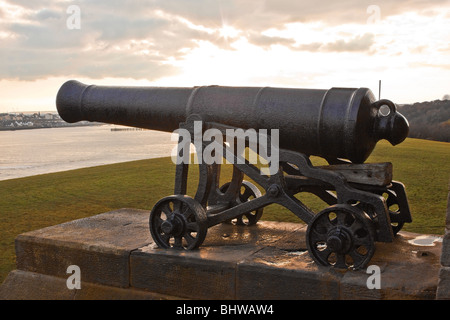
(340, 125)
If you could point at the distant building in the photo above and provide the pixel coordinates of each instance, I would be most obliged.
(6, 117)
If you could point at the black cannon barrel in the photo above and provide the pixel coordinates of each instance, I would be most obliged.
(336, 123)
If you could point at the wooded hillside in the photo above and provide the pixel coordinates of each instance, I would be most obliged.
(428, 120)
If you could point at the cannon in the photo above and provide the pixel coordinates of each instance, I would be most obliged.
(340, 125)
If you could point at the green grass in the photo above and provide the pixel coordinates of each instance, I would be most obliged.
(35, 202)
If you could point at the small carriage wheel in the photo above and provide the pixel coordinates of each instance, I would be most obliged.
(247, 192)
(178, 222)
(394, 211)
(341, 236)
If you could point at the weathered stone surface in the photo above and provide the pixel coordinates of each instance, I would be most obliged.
(447, 219)
(286, 271)
(273, 274)
(276, 272)
(210, 271)
(443, 291)
(409, 269)
(25, 285)
(118, 260)
(99, 245)
(445, 257)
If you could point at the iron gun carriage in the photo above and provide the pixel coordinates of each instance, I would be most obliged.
(340, 125)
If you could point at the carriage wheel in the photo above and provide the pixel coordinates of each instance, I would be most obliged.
(178, 222)
(247, 192)
(341, 236)
(394, 211)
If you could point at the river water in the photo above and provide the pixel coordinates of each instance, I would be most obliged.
(37, 151)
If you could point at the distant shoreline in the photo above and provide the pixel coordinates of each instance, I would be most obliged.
(36, 120)
(49, 127)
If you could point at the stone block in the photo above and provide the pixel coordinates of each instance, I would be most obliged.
(445, 257)
(210, 271)
(409, 268)
(276, 274)
(25, 285)
(447, 219)
(99, 245)
(443, 290)
(268, 261)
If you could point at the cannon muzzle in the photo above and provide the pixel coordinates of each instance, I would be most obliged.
(336, 123)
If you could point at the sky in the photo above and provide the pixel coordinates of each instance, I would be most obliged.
(279, 43)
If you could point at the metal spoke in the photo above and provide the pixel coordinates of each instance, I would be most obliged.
(324, 254)
(192, 226)
(358, 258)
(178, 242)
(177, 206)
(251, 217)
(362, 241)
(316, 237)
(157, 221)
(189, 239)
(247, 194)
(165, 238)
(340, 218)
(186, 212)
(391, 198)
(340, 261)
(323, 225)
(165, 208)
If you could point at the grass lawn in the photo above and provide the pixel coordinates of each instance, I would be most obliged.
(35, 202)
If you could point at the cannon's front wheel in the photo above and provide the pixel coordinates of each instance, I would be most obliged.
(341, 236)
(178, 222)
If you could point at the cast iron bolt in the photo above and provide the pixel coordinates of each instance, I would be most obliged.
(273, 190)
(167, 227)
(337, 241)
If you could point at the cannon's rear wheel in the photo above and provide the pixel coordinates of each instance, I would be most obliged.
(247, 192)
(178, 222)
(341, 236)
(394, 211)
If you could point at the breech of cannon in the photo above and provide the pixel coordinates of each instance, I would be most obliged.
(336, 123)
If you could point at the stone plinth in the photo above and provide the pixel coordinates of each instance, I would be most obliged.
(118, 260)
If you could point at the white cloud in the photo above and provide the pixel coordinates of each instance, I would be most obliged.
(273, 42)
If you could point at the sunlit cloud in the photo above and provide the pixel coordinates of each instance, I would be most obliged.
(183, 43)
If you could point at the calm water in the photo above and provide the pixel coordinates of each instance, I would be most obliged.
(37, 151)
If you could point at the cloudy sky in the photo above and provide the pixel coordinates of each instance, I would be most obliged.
(282, 43)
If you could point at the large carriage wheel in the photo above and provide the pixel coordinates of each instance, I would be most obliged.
(341, 236)
(247, 192)
(178, 222)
